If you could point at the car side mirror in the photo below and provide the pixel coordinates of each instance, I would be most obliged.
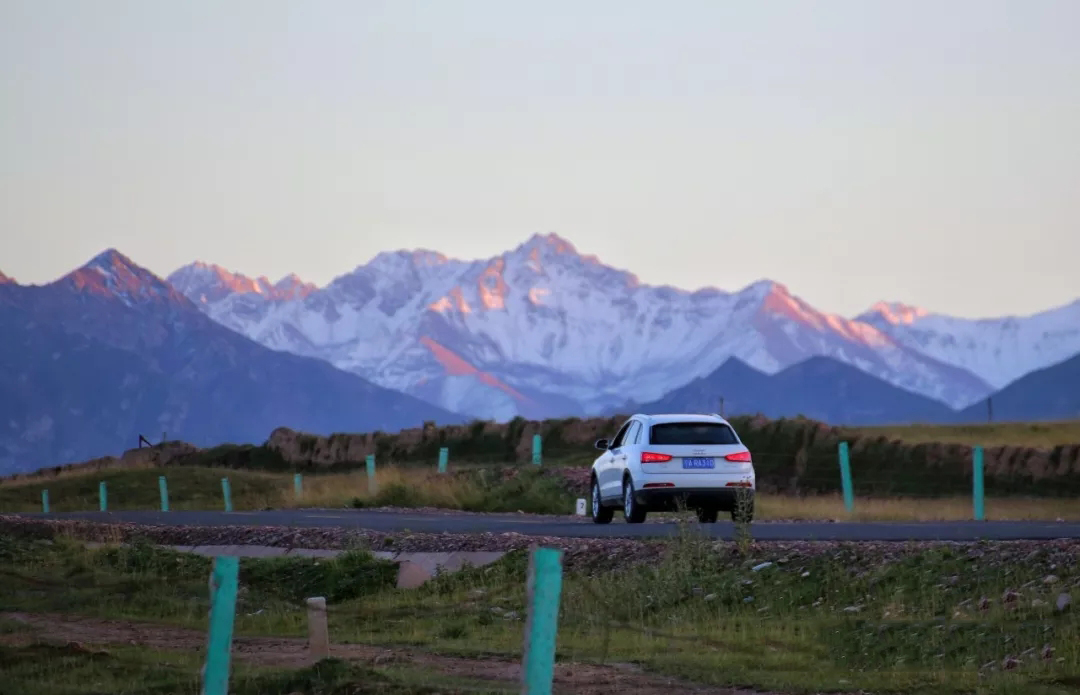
(602, 444)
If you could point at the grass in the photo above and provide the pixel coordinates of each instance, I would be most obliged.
(189, 488)
(473, 489)
(37, 669)
(790, 627)
(482, 489)
(846, 620)
(478, 489)
(141, 581)
(1040, 435)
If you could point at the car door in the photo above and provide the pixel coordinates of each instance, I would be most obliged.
(627, 452)
(632, 446)
(611, 483)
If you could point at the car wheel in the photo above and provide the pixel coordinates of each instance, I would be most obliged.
(743, 512)
(708, 515)
(632, 511)
(599, 513)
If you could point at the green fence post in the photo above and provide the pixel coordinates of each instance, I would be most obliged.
(444, 458)
(977, 483)
(226, 492)
(298, 485)
(536, 449)
(541, 627)
(371, 472)
(845, 478)
(45, 501)
(223, 586)
(103, 496)
(163, 488)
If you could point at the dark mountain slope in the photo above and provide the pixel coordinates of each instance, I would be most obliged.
(110, 352)
(1052, 393)
(820, 388)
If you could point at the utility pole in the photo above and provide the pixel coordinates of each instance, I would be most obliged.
(721, 406)
(989, 408)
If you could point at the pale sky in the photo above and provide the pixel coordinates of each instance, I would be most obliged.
(855, 150)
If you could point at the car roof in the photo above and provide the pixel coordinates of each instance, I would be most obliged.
(682, 417)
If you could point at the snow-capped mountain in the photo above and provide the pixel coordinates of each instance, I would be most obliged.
(544, 330)
(998, 350)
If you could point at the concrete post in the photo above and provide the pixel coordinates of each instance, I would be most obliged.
(318, 632)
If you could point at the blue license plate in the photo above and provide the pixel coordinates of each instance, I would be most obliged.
(699, 463)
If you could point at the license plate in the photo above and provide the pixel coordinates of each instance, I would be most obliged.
(698, 463)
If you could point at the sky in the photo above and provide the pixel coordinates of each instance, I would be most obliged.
(925, 152)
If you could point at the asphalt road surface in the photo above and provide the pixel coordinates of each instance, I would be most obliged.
(435, 522)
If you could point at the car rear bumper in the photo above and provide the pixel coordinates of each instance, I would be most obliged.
(673, 498)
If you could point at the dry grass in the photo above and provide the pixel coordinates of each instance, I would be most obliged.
(1043, 435)
(46, 475)
(826, 507)
(341, 489)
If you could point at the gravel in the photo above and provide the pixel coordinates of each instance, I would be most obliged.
(588, 554)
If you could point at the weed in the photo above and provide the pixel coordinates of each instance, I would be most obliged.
(479, 490)
(347, 576)
(742, 515)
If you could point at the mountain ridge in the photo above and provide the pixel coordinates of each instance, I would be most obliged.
(543, 320)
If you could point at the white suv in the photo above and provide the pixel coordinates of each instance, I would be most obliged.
(662, 462)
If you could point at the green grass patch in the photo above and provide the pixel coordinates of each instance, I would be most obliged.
(840, 621)
(890, 620)
(73, 669)
(141, 581)
(45, 669)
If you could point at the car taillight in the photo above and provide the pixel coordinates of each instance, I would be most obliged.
(740, 456)
(649, 457)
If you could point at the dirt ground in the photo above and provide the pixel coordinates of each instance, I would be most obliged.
(579, 679)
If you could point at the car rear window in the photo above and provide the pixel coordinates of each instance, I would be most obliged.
(692, 433)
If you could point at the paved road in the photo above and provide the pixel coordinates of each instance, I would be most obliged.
(424, 522)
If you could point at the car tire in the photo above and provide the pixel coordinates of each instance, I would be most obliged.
(597, 511)
(708, 515)
(633, 512)
(743, 512)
